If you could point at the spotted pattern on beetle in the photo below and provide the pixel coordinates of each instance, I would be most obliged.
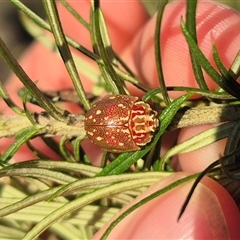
(120, 123)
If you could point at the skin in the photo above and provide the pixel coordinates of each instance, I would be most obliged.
(212, 213)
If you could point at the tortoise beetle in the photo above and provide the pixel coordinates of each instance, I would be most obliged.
(120, 123)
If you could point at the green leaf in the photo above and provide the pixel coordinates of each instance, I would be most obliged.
(76, 204)
(29, 84)
(227, 84)
(191, 27)
(61, 42)
(102, 46)
(199, 141)
(21, 138)
(157, 51)
(5, 96)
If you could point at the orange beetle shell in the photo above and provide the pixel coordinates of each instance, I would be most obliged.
(120, 123)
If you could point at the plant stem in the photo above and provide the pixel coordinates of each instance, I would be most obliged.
(48, 126)
(205, 115)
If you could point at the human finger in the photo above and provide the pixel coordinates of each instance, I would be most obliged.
(211, 214)
(216, 24)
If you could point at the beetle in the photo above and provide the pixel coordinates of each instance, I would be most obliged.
(120, 123)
